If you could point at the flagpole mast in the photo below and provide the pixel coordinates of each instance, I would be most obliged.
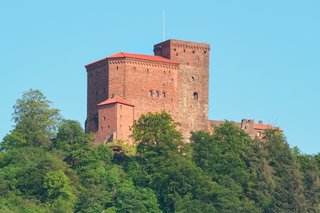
(163, 26)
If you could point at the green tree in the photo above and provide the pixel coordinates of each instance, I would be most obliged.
(35, 121)
(57, 186)
(288, 194)
(28, 172)
(311, 182)
(226, 156)
(161, 165)
(73, 142)
(156, 132)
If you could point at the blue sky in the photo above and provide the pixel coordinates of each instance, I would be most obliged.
(264, 61)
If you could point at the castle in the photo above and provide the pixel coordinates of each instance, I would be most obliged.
(123, 86)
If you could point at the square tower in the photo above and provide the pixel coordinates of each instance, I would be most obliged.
(192, 81)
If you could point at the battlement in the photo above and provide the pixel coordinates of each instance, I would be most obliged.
(184, 52)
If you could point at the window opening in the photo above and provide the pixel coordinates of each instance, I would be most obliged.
(150, 93)
(195, 96)
(197, 59)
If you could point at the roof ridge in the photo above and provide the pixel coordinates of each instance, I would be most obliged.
(115, 99)
(142, 57)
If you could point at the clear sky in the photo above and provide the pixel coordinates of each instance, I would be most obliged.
(264, 62)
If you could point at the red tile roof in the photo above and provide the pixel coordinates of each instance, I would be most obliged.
(115, 100)
(143, 57)
(263, 126)
(136, 56)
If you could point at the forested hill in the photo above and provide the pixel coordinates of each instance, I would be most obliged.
(48, 164)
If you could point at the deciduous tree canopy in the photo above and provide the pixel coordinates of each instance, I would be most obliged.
(50, 165)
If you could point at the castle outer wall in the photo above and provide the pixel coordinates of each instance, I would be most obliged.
(123, 86)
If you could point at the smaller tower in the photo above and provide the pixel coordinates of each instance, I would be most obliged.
(115, 119)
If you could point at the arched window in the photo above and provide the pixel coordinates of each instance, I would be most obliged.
(157, 94)
(195, 96)
(163, 94)
(150, 93)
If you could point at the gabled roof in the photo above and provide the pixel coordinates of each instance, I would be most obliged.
(143, 57)
(115, 100)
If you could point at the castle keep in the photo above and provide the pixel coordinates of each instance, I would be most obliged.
(123, 86)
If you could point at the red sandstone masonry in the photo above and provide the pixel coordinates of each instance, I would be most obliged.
(175, 80)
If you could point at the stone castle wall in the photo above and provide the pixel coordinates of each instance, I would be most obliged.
(174, 80)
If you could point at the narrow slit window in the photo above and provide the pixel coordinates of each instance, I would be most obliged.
(150, 93)
(195, 96)
(197, 59)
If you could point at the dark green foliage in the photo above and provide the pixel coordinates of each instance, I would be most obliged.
(226, 157)
(156, 132)
(35, 174)
(51, 166)
(311, 180)
(162, 166)
(72, 142)
(288, 193)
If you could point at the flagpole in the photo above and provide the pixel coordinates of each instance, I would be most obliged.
(163, 26)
